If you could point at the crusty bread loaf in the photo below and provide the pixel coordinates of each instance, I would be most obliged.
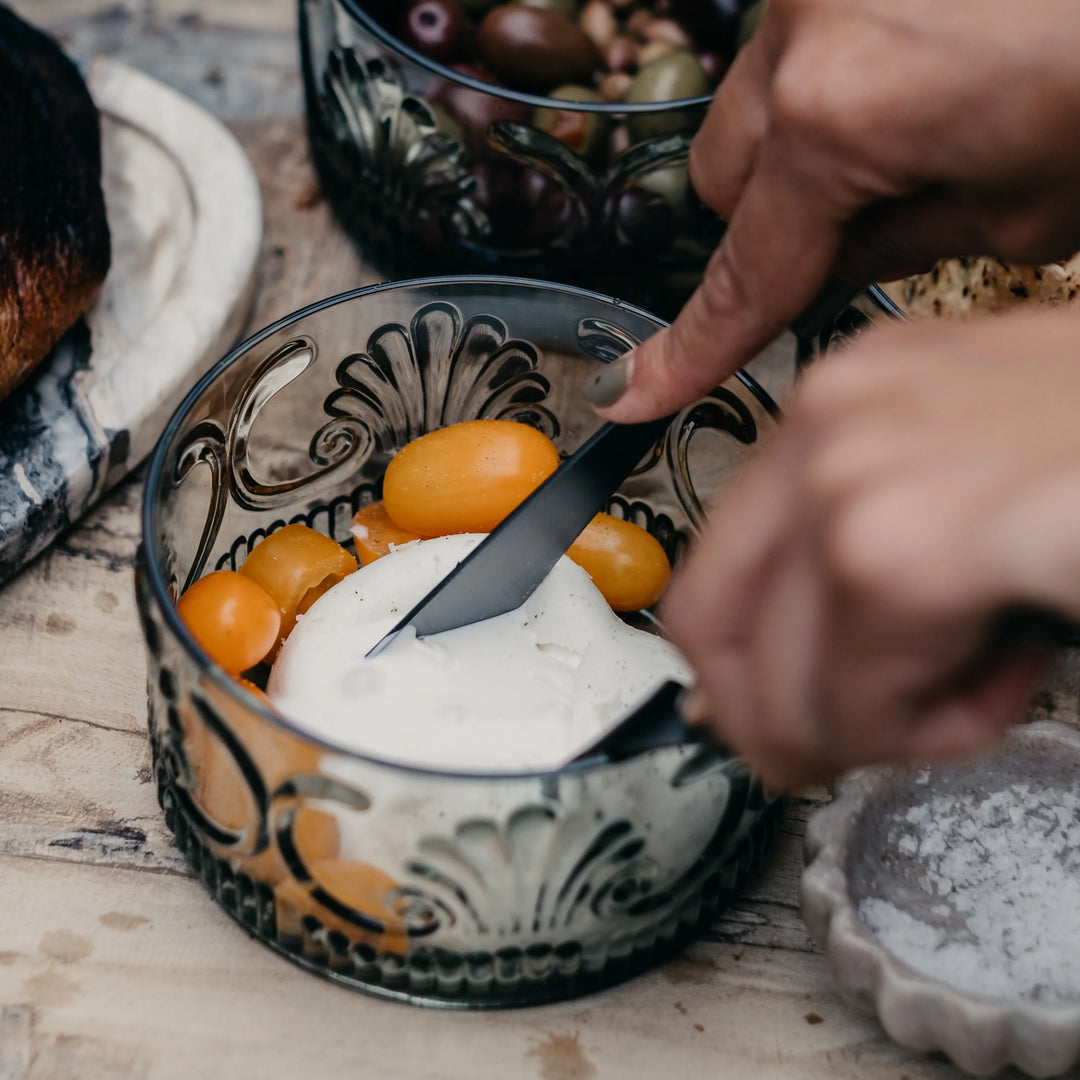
(974, 285)
(54, 237)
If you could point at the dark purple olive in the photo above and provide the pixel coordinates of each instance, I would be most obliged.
(694, 13)
(534, 49)
(501, 191)
(476, 110)
(644, 220)
(525, 209)
(436, 28)
(555, 219)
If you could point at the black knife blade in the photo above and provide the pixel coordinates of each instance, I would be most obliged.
(505, 568)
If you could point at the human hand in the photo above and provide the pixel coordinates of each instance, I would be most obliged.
(867, 137)
(837, 605)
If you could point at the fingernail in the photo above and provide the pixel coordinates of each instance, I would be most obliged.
(609, 382)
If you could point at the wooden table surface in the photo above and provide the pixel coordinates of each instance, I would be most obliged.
(114, 962)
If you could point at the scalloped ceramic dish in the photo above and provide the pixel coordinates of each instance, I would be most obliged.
(881, 846)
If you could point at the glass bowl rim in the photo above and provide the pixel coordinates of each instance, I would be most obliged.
(461, 78)
(147, 545)
(885, 302)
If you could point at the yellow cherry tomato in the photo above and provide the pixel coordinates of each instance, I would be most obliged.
(626, 563)
(466, 477)
(374, 532)
(296, 565)
(232, 618)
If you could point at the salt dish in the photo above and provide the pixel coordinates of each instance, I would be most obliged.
(948, 901)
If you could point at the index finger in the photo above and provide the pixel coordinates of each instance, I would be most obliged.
(779, 248)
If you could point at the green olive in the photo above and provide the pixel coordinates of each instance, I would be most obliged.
(749, 21)
(585, 133)
(672, 184)
(676, 75)
(569, 8)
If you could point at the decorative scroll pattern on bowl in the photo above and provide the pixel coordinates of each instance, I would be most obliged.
(404, 148)
(431, 174)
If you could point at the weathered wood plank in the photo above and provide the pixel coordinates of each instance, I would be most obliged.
(278, 15)
(237, 58)
(143, 975)
(305, 256)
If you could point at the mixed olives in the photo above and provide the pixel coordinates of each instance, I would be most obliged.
(623, 50)
(449, 167)
(590, 52)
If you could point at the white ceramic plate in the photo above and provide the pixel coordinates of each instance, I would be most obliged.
(185, 216)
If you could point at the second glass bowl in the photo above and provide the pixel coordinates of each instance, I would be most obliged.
(433, 170)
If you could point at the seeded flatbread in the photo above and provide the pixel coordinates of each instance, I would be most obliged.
(977, 284)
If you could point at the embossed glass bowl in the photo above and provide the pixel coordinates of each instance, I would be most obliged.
(872, 305)
(468, 890)
(434, 171)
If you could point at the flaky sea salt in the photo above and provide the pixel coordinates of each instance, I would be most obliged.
(993, 904)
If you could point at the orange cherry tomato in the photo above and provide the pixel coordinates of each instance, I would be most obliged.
(466, 477)
(374, 532)
(296, 565)
(255, 690)
(358, 885)
(223, 792)
(315, 835)
(626, 563)
(232, 618)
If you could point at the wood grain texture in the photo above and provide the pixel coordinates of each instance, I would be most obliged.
(114, 962)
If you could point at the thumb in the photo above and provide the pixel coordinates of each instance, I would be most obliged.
(780, 245)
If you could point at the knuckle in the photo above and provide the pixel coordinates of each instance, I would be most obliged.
(808, 98)
(858, 547)
(723, 289)
(820, 90)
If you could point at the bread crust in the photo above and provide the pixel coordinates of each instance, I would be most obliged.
(976, 285)
(54, 236)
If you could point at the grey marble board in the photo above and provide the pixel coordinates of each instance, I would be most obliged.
(185, 217)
